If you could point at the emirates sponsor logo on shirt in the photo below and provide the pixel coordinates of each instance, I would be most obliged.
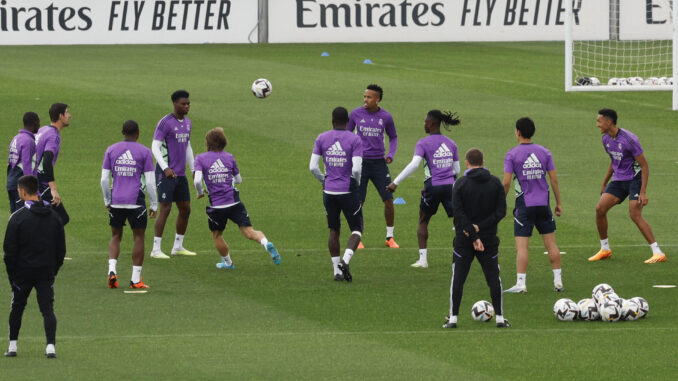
(331, 159)
(126, 158)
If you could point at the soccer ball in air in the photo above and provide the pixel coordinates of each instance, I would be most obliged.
(565, 309)
(588, 309)
(610, 311)
(630, 310)
(261, 88)
(482, 310)
(601, 290)
(644, 308)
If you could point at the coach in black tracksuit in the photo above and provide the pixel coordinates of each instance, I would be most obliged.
(479, 204)
(34, 248)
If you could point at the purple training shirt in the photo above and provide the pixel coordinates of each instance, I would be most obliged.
(439, 153)
(47, 139)
(529, 163)
(127, 161)
(175, 136)
(218, 170)
(338, 148)
(21, 151)
(622, 150)
(371, 128)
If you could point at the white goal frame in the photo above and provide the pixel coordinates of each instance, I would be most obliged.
(569, 83)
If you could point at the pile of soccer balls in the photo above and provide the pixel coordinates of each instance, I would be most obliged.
(629, 81)
(604, 305)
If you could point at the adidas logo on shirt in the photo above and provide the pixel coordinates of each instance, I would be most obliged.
(532, 162)
(336, 150)
(218, 167)
(126, 158)
(442, 151)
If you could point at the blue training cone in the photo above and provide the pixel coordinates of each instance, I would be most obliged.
(367, 61)
(324, 54)
(399, 201)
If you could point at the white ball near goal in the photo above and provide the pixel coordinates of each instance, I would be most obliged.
(651, 81)
(613, 81)
(663, 81)
(635, 81)
(261, 88)
(595, 81)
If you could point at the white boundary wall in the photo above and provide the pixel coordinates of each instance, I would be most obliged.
(72, 22)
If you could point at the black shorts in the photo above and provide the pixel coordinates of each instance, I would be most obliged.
(623, 189)
(347, 203)
(171, 190)
(377, 171)
(432, 196)
(525, 218)
(218, 217)
(137, 218)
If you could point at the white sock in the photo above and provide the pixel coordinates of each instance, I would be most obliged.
(136, 274)
(50, 348)
(655, 248)
(335, 263)
(178, 241)
(111, 266)
(12, 346)
(348, 254)
(521, 279)
(557, 279)
(452, 319)
(156, 243)
(604, 244)
(422, 255)
(264, 242)
(227, 259)
(389, 232)
(500, 319)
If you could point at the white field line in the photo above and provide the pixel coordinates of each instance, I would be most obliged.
(459, 331)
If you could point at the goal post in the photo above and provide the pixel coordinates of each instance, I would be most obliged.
(621, 45)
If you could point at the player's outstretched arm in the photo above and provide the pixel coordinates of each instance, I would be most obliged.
(408, 170)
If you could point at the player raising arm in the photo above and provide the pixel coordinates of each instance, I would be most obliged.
(441, 166)
(217, 168)
(631, 173)
(341, 152)
(20, 163)
(131, 165)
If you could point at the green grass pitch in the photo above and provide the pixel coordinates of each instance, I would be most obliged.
(293, 321)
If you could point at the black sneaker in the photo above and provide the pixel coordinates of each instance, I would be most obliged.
(50, 355)
(343, 266)
(505, 324)
(338, 277)
(10, 354)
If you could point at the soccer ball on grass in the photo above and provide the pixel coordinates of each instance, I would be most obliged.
(261, 88)
(482, 310)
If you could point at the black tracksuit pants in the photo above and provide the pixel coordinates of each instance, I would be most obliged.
(43, 282)
(461, 264)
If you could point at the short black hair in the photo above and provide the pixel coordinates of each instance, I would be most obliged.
(474, 156)
(526, 127)
(29, 184)
(31, 119)
(609, 114)
(56, 110)
(340, 115)
(377, 88)
(130, 128)
(447, 118)
(179, 94)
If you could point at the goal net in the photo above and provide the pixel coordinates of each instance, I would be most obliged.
(631, 47)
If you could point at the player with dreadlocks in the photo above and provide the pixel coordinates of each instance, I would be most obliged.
(441, 168)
